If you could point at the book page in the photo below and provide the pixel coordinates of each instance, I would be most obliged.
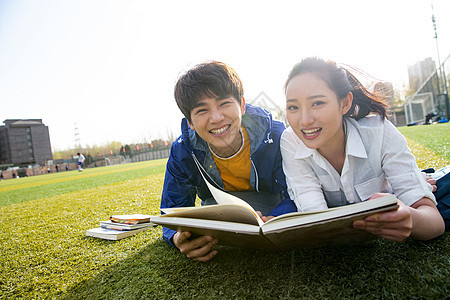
(223, 198)
(218, 212)
(388, 202)
(228, 233)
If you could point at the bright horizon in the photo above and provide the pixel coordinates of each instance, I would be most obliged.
(109, 67)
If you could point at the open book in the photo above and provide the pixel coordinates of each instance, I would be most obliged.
(235, 223)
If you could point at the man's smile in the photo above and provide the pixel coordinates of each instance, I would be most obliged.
(219, 130)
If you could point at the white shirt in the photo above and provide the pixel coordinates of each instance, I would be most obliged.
(81, 158)
(377, 160)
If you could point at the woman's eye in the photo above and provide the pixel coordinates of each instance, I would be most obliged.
(292, 107)
(317, 103)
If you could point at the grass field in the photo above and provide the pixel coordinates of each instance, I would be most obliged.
(44, 253)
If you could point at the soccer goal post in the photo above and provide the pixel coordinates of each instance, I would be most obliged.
(418, 106)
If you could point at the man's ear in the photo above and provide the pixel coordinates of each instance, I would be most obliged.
(346, 103)
(190, 125)
(243, 106)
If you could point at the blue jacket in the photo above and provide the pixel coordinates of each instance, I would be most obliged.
(183, 181)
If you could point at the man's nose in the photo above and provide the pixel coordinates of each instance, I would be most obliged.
(216, 115)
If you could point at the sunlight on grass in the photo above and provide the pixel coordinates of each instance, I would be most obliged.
(32, 181)
(49, 248)
(75, 181)
(435, 138)
(426, 158)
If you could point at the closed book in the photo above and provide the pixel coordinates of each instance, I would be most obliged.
(122, 226)
(130, 219)
(111, 234)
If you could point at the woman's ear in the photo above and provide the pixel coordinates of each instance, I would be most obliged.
(243, 106)
(346, 103)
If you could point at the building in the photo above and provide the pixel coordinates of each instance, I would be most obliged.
(420, 72)
(262, 100)
(24, 142)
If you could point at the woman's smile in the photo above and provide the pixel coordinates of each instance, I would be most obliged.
(311, 133)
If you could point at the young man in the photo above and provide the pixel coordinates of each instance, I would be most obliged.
(236, 145)
(81, 159)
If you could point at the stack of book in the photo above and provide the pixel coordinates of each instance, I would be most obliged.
(121, 226)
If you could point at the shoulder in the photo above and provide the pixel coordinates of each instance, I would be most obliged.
(375, 132)
(278, 127)
(179, 150)
(369, 127)
(262, 117)
(374, 123)
(289, 137)
(260, 126)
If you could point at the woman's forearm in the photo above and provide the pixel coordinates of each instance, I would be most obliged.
(427, 221)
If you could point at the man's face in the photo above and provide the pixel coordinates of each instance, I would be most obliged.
(218, 122)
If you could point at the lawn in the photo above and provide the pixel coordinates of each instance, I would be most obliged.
(44, 253)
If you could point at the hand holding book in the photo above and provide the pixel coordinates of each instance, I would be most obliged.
(198, 249)
(235, 223)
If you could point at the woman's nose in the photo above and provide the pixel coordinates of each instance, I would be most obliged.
(306, 117)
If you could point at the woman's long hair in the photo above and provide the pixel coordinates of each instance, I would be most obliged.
(341, 81)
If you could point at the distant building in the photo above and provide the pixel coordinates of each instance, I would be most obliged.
(24, 142)
(262, 100)
(419, 72)
(386, 90)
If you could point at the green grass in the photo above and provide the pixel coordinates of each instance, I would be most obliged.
(435, 138)
(37, 187)
(44, 253)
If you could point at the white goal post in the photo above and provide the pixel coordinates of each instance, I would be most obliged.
(418, 106)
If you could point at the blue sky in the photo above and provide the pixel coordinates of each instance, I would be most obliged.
(109, 67)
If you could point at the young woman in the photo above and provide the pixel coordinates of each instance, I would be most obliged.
(341, 149)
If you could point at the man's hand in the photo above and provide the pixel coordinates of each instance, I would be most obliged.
(198, 249)
(265, 219)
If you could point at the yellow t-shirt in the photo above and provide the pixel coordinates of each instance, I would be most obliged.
(235, 170)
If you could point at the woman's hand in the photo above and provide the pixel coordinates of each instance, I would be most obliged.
(421, 221)
(393, 225)
(431, 182)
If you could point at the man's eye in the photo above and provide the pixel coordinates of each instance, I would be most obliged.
(200, 111)
(225, 103)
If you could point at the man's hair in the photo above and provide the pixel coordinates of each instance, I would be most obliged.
(211, 79)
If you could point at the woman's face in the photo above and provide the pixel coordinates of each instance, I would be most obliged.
(314, 112)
